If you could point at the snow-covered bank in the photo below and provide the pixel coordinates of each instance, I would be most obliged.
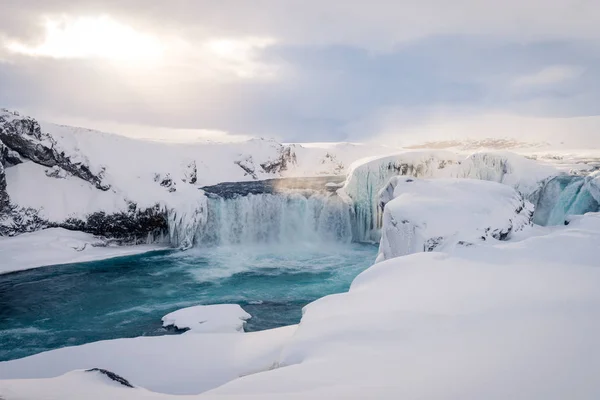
(495, 321)
(59, 246)
(181, 364)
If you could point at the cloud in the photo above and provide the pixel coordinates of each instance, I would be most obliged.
(298, 70)
(550, 76)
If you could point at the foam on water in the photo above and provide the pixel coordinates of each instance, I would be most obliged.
(58, 306)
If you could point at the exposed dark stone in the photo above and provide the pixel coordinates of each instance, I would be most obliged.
(131, 227)
(24, 135)
(280, 164)
(56, 172)
(176, 330)
(432, 243)
(16, 220)
(9, 157)
(166, 182)
(247, 165)
(4, 199)
(191, 174)
(112, 376)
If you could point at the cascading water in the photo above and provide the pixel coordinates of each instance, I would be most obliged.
(275, 218)
(566, 195)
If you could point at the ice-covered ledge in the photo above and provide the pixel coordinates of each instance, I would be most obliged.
(59, 246)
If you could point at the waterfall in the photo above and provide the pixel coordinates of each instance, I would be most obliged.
(566, 195)
(275, 218)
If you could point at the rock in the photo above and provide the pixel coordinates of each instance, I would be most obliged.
(130, 227)
(166, 182)
(112, 376)
(280, 164)
(23, 135)
(56, 172)
(4, 199)
(247, 164)
(191, 173)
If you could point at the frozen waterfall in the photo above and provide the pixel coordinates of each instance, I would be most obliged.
(566, 195)
(556, 196)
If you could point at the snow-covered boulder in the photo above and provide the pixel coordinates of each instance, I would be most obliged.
(217, 318)
(423, 215)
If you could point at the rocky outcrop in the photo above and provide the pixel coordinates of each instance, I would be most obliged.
(112, 376)
(24, 136)
(128, 227)
(286, 158)
(4, 200)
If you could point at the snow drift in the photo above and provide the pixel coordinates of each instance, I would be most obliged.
(426, 215)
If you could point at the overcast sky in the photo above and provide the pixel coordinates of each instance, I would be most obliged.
(326, 70)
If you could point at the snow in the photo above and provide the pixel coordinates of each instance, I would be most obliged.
(56, 198)
(177, 364)
(217, 318)
(59, 246)
(431, 214)
(494, 320)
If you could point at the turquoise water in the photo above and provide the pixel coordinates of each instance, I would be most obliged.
(53, 307)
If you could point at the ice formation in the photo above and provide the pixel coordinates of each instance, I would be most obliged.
(566, 195)
(432, 214)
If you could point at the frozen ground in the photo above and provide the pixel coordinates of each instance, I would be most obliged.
(59, 246)
(504, 320)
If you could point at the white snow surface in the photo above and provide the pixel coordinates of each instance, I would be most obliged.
(431, 214)
(59, 246)
(495, 320)
(216, 318)
(176, 364)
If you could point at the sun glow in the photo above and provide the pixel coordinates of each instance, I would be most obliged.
(91, 37)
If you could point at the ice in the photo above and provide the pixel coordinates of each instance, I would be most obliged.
(217, 318)
(433, 214)
(567, 195)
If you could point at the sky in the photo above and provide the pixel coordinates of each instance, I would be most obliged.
(394, 72)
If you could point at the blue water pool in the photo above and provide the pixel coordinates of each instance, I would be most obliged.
(67, 305)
